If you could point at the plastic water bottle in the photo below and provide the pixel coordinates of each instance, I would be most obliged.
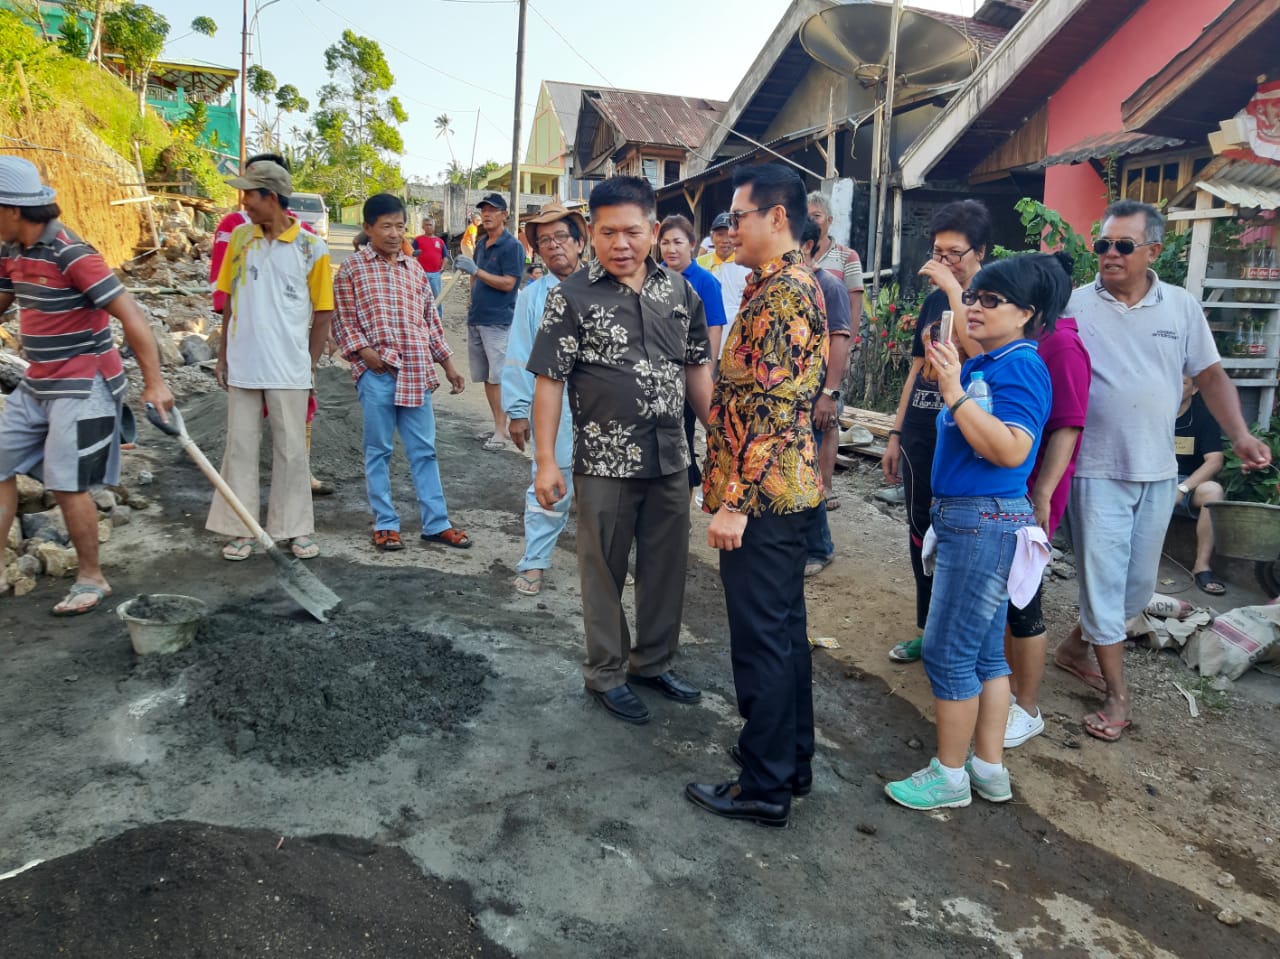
(980, 390)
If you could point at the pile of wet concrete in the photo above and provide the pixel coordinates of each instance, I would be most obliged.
(195, 890)
(299, 695)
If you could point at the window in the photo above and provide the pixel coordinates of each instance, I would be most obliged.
(670, 171)
(649, 170)
(1156, 179)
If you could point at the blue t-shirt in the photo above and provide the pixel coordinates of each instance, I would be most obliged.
(1020, 397)
(490, 307)
(707, 287)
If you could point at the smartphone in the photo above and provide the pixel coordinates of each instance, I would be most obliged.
(946, 326)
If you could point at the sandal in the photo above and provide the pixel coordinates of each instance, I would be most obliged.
(238, 549)
(304, 547)
(816, 566)
(450, 537)
(1104, 728)
(527, 585)
(494, 443)
(66, 607)
(833, 503)
(321, 487)
(907, 651)
(1209, 583)
(387, 540)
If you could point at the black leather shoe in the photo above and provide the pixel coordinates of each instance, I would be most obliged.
(723, 800)
(622, 703)
(670, 685)
(801, 786)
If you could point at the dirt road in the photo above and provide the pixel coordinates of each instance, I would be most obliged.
(563, 832)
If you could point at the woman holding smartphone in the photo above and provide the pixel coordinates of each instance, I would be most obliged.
(961, 237)
(981, 466)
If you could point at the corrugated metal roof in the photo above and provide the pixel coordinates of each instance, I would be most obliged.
(1247, 185)
(1120, 143)
(657, 118)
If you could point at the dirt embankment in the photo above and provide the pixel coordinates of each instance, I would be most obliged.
(88, 176)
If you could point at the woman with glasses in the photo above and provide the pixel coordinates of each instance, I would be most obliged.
(961, 234)
(981, 467)
(677, 243)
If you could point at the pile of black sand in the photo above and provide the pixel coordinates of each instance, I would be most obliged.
(303, 695)
(194, 890)
(337, 433)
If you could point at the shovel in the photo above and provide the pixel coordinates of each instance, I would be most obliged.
(311, 594)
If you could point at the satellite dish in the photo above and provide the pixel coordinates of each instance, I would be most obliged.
(853, 39)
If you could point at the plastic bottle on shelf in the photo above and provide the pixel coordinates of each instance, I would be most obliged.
(1256, 345)
(1239, 345)
(1251, 271)
(1273, 264)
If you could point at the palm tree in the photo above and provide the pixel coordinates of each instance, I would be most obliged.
(444, 128)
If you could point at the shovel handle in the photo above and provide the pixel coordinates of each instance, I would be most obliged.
(173, 425)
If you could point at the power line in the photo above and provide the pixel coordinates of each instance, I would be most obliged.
(571, 47)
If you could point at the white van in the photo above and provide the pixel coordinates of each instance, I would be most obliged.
(311, 210)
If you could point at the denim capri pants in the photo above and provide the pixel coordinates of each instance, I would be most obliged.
(964, 636)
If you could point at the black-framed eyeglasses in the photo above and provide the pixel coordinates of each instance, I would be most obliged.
(950, 257)
(555, 239)
(989, 301)
(735, 216)
(1123, 247)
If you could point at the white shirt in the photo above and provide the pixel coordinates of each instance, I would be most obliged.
(1139, 354)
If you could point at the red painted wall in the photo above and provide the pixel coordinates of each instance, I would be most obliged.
(1088, 104)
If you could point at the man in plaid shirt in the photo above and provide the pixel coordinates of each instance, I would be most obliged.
(387, 328)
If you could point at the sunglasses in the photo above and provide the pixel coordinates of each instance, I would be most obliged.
(989, 301)
(735, 216)
(1123, 247)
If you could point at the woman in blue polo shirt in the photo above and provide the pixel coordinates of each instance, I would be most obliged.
(980, 470)
(677, 243)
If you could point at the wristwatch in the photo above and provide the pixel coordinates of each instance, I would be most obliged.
(1184, 489)
(834, 394)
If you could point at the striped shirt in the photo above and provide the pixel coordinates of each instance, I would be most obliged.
(387, 305)
(62, 286)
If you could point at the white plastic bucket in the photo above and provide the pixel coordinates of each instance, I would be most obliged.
(164, 622)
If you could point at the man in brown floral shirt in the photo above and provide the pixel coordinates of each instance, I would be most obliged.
(762, 487)
(629, 337)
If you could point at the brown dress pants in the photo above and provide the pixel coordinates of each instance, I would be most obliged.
(612, 513)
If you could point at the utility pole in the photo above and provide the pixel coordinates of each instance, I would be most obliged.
(244, 82)
(885, 142)
(515, 134)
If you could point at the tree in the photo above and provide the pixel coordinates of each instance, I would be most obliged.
(444, 128)
(358, 120)
(73, 38)
(454, 173)
(138, 34)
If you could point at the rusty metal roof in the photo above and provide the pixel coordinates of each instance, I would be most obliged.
(1120, 143)
(656, 118)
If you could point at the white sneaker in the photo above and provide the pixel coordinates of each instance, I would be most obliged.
(1021, 726)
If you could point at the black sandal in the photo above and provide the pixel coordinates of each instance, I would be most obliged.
(1209, 583)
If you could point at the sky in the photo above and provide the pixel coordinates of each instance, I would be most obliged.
(458, 56)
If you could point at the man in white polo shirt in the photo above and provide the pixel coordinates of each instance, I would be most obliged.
(1143, 336)
(275, 325)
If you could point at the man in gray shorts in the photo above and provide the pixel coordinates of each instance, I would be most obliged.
(1143, 336)
(495, 273)
(61, 425)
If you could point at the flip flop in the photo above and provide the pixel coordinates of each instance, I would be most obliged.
(816, 566)
(304, 547)
(1087, 676)
(833, 503)
(1209, 583)
(494, 443)
(81, 589)
(1107, 730)
(240, 548)
(528, 586)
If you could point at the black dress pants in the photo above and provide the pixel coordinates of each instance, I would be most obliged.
(769, 646)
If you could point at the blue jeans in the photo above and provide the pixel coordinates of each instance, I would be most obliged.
(542, 527)
(817, 539)
(417, 427)
(964, 636)
(434, 280)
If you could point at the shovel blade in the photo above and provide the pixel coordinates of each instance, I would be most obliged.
(305, 589)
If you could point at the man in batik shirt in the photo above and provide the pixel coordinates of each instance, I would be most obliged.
(629, 337)
(762, 488)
